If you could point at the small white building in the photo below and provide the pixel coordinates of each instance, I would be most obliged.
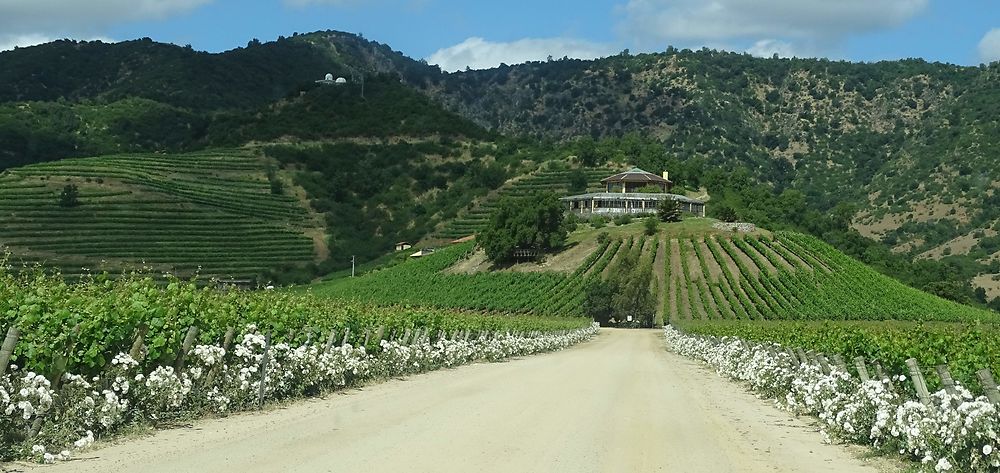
(328, 80)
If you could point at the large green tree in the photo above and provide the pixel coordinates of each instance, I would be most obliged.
(530, 223)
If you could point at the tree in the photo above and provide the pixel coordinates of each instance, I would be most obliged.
(70, 196)
(577, 181)
(724, 212)
(534, 223)
(597, 302)
(669, 210)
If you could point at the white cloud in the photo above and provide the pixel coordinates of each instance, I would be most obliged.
(8, 42)
(770, 47)
(989, 46)
(478, 53)
(810, 21)
(68, 17)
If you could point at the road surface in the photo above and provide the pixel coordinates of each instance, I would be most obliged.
(619, 403)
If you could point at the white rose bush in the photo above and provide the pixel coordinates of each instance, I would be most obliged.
(47, 424)
(956, 431)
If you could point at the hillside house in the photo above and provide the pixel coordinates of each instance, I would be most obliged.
(621, 196)
(403, 246)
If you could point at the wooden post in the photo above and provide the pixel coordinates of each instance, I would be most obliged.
(989, 385)
(803, 359)
(946, 380)
(227, 340)
(880, 372)
(192, 333)
(347, 337)
(838, 361)
(263, 369)
(859, 363)
(368, 335)
(918, 381)
(824, 363)
(793, 356)
(406, 338)
(330, 341)
(136, 352)
(7, 349)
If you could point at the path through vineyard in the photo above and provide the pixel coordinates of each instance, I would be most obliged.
(619, 403)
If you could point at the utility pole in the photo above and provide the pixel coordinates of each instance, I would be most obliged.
(352, 266)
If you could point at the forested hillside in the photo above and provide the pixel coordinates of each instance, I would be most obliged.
(899, 151)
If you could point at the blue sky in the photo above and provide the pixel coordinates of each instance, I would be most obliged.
(480, 34)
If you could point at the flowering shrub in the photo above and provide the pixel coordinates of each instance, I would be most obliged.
(954, 432)
(212, 382)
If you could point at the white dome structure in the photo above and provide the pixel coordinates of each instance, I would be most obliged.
(328, 77)
(341, 80)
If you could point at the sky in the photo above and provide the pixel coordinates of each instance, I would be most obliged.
(456, 34)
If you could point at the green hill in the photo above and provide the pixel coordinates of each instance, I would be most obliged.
(700, 273)
(215, 213)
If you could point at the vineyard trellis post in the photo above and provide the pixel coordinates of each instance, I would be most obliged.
(330, 341)
(859, 363)
(989, 385)
(189, 338)
(263, 369)
(918, 381)
(136, 351)
(347, 337)
(946, 379)
(7, 349)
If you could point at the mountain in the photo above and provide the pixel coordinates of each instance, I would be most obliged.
(896, 151)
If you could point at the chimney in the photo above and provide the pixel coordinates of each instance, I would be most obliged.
(666, 176)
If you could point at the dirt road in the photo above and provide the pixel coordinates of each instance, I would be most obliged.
(619, 403)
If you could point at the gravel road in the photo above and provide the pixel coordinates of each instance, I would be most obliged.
(619, 403)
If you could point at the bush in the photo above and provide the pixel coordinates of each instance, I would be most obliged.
(70, 196)
(598, 221)
(603, 238)
(623, 219)
(651, 224)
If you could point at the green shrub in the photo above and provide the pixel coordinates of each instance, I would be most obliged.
(651, 225)
(623, 219)
(598, 222)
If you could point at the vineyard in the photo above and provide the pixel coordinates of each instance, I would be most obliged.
(791, 276)
(212, 212)
(73, 351)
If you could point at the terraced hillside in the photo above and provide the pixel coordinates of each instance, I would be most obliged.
(790, 276)
(221, 213)
(474, 218)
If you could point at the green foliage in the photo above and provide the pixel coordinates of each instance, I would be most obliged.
(70, 196)
(577, 181)
(99, 318)
(598, 221)
(598, 301)
(534, 223)
(623, 219)
(650, 225)
(668, 210)
(723, 212)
